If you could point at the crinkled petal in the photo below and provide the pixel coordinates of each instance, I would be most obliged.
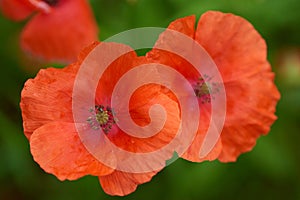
(116, 70)
(138, 105)
(16, 9)
(240, 55)
(176, 57)
(122, 183)
(186, 26)
(62, 33)
(57, 148)
(251, 106)
(235, 46)
(47, 98)
(194, 153)
(139, 110)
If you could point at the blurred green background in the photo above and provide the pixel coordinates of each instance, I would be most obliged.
(270, 171)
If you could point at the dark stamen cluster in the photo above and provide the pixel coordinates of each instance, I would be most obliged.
(102, 118)
(204, 90)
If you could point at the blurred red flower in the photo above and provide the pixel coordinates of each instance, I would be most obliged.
(239, 53)
(58, 29)
(48, 121)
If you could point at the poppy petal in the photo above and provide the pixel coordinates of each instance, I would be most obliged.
(151, 151)
(254, 99)
(140, 102)
(57, 148)
(122, 183)
(193, 152)
(116, 70)
(185, 26)
(235, 46)
(47, 98)
(139, 105)
(16, 9)
(240, 55)
(62, 33)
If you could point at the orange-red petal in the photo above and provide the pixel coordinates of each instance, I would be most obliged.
(141, 101)
(250, 113)
(140, 104)
(47, 98)
(186, 26)
(16, 9)
(57, 148)
(60, 34)
(235, 46)
(115, 71)
(193, 152)
(122, 183)
(240, 55)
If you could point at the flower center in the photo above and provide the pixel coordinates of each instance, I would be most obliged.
(205, 90)
(102, 117)
(51, 2)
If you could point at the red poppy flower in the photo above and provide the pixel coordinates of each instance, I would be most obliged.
(55, 142)
(57, 31)
(239, 53)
